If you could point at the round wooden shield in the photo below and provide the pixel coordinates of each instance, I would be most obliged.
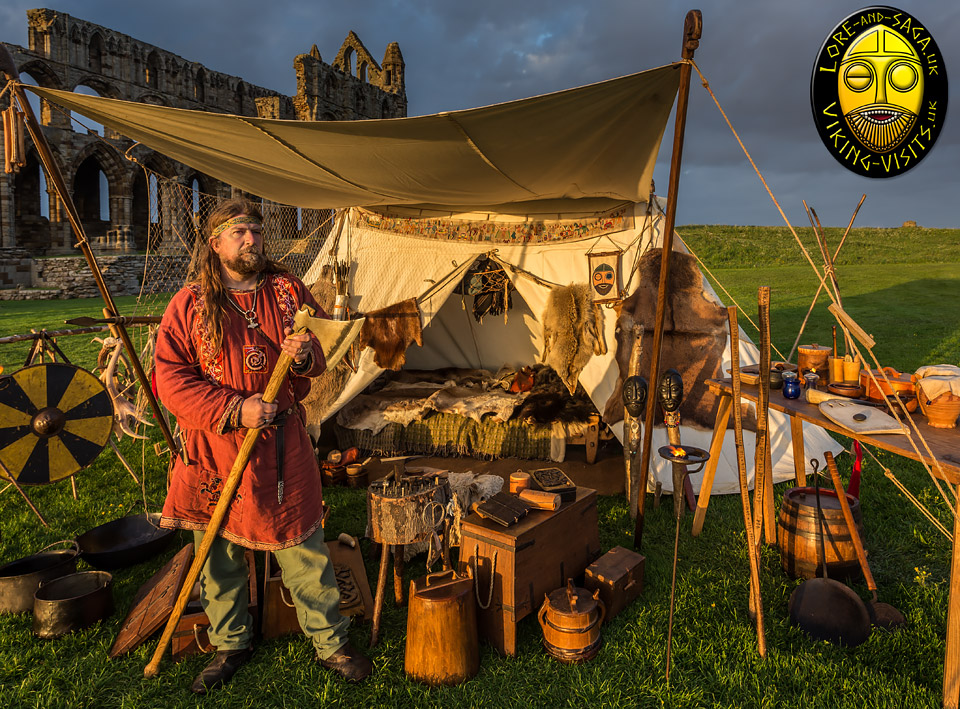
(54, 420)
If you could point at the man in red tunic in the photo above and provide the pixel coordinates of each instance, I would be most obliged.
(217, 346)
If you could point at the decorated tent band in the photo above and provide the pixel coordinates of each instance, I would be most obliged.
(240, 219)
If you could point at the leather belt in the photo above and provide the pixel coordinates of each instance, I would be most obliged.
(279, 422)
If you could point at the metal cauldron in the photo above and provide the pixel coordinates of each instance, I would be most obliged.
(124, 542)
(20, 579)
(71, 603)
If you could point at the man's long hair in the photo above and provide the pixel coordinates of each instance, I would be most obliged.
(209, 277)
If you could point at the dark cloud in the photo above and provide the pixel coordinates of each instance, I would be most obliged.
(756, 54)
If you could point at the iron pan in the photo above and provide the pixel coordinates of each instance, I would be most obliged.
(124, 542)
(828, 610)
(72, 602)
(20, 579)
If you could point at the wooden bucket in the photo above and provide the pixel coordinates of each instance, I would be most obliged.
(798, 530)
(442, 644)
(571, 618)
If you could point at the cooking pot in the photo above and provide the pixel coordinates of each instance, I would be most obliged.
(72, 602)
(20, 579)
(124, 542)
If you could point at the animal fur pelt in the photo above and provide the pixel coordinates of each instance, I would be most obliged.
(325, 389)
(390, 331)
(570, 330)
(550, 402)
(694, 338)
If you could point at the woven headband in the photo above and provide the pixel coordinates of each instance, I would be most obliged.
(240, 219)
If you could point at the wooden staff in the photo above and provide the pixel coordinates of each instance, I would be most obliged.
(692, 27)
(219, 512)
(756, 601)
(631, 424)
(763, 473)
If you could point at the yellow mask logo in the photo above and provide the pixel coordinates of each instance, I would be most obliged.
(879, 92)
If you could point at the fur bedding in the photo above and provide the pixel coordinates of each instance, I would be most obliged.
(478, 395)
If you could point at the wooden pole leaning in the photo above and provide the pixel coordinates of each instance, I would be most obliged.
(756, 601)
(56, 177)
(763, 513)
(692, 28)
(219, 512)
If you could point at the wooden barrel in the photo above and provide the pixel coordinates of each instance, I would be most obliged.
(442, 644)
(797, 534)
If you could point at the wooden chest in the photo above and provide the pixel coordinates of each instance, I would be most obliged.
(279, 614)
(618, 575)
(190, 637)
(526, 562)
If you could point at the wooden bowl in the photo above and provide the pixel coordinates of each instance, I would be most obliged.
(854, 391)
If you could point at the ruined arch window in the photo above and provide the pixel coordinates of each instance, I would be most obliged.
(152, 71)
(91, 191)
(153, 199)
(362, 71)
(83, 124)
(348, 61)
(32, 98)
(387, 77)
(95, 53)
(29, 191)
(199, 87)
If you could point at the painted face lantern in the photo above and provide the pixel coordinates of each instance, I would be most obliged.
(604, 278)
(635, 395)
(880, 88)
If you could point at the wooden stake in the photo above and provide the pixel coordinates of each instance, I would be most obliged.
(756, 600)
(692, 27)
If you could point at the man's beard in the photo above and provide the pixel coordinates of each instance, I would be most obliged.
(247, 263)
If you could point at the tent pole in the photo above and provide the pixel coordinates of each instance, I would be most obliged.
(8, 67)
(692, 26)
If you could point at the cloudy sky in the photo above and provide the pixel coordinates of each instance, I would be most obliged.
(756, 54)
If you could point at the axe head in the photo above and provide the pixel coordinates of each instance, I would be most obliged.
(335, 336)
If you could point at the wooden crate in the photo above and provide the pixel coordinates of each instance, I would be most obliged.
(533, 557)
(618, 575)
(194, 623)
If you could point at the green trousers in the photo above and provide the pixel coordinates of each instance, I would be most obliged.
(307, 573)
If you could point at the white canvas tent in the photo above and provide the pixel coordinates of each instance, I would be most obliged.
(575, 154)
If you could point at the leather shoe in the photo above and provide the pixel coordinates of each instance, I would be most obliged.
(349, 663)
(220, 670)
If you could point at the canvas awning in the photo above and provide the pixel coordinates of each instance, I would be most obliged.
(598, 141)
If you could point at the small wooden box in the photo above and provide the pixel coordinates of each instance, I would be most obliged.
(618, 575)
(527, 561)
(194, 623)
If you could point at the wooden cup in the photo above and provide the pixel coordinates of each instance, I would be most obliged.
(519, 481)
(836, 370)
(851, 371)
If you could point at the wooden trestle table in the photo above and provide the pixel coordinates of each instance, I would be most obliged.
(944, 443)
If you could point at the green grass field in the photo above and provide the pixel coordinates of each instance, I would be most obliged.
(901, 285)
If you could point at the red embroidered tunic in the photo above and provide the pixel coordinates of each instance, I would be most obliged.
(204, 390)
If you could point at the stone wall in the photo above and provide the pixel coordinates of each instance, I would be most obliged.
(69, 277)
(15, 268)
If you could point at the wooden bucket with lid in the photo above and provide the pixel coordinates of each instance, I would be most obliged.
(571, 618)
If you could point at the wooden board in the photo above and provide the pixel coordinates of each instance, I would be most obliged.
(153, 604)
(527, 561)
(874, 421)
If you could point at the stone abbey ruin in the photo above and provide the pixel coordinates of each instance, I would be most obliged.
(120, 205)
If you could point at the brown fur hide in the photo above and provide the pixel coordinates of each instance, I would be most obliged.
(569, 331)
(694, 337)
(325, 389)
(390, 331)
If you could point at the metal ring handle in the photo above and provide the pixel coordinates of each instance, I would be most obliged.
(76, 546)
